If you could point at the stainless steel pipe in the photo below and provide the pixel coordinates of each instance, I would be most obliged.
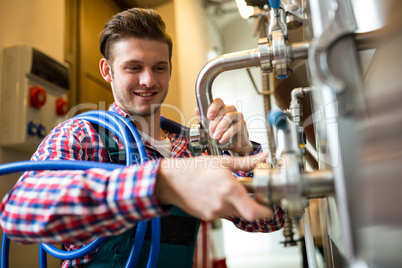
(318, 183)
(270, 185)
(234, 61)
(369, 40)
(226, 62)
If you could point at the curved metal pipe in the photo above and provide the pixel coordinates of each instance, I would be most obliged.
(226, 62)
(234, 61)
(299, 92)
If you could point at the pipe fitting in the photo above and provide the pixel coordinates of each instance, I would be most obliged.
(277, 22)
(280, 54)
(287, 187)
(265, 52)
(280, 185)
(295, 107)
(199, 139)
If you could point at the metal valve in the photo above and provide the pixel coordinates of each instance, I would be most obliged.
(199, 139)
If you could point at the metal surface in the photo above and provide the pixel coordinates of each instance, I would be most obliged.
(277, 22)
(265, 55)
(280, 56)
(295, 107)
(273, 185)
(344, 123)
(378, 217)
(318, 184)
(337, 90)
(199, 139)
(288, 232)
(266, 77)
(308, 234)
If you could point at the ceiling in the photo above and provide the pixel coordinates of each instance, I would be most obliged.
(125, 4)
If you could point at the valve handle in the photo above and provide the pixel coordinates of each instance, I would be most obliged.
(278, 118)
(275, 3)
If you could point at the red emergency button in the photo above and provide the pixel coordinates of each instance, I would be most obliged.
(62, 107)
(37, 96)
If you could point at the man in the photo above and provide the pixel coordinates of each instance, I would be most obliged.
(75, 207)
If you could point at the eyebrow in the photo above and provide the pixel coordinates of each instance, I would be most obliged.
(141, 62)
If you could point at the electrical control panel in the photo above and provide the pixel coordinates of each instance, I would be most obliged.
(33, 97)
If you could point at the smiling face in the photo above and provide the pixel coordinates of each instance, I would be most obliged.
(139, 73)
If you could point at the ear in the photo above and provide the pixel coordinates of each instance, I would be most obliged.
(106, 70)
(171, 66)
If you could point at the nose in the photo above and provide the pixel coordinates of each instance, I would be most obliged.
(147, 78)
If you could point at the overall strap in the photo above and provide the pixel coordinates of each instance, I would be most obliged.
(174, 127)
(177, 128)
(111, 146)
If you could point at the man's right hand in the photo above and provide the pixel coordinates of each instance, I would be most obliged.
(205, 187)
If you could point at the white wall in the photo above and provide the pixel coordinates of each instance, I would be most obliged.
(38, 23)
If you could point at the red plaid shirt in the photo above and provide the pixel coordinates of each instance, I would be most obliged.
(76, 207)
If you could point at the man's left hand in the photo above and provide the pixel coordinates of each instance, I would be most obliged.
(226, 124)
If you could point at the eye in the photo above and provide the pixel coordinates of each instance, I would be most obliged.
(160, 68)
(134, 68)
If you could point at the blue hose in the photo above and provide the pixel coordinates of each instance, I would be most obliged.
(155, 243)
(126, 132)
(54, 165)
(42, 257)
(108, 121)
(275, 3)
(78, 253)
(137, 137)
(136, 248)
(5, 248)
(142, 226)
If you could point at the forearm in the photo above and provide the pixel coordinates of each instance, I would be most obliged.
(53, 207)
